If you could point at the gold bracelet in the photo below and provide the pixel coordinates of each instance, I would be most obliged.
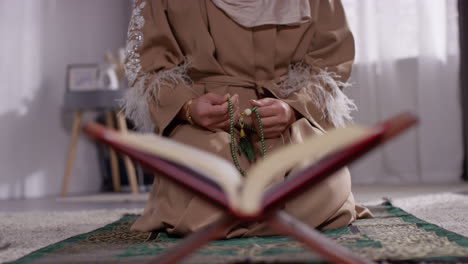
(188, 117)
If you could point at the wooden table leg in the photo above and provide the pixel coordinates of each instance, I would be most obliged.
(128, 162)
(286, 224)
(71, 151)
(114, 163)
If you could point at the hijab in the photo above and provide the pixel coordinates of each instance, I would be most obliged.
(253, 13)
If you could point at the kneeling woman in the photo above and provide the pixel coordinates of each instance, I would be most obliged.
(290, 59)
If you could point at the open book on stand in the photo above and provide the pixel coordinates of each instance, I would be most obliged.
(247, 198)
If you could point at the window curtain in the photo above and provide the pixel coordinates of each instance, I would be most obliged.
(20, 53)
(408, 60)
(39, 38)
(21, 77)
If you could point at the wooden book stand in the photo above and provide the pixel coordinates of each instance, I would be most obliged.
(271, 213)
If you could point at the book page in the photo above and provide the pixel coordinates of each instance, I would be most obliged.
(261, 174)
(209, 165)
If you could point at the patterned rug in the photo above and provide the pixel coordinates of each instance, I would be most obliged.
(393, 236)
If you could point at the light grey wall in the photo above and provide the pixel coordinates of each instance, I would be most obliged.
(34, 130)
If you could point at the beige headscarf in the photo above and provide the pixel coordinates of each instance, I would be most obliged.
(252, 13)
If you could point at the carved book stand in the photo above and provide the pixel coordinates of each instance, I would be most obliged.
(271, 213)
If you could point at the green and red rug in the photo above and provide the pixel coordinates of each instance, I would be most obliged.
(393, 236)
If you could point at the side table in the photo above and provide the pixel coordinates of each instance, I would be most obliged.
(98, 100)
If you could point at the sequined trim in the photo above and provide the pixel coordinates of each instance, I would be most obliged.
(134, 41)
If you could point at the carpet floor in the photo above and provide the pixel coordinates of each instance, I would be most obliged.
(27, 232)
(393, 236)
(447, 210)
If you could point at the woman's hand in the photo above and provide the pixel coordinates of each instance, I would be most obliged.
(276, 116)
(210, 111)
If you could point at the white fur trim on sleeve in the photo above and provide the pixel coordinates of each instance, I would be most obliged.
(147, 88)
(325, 90)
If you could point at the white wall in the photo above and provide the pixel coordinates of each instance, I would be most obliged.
(39, 39)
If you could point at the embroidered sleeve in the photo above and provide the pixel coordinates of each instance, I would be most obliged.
(147, 89)
(134, 42)
(155, 68)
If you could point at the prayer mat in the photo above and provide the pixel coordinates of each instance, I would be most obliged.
(393, 236)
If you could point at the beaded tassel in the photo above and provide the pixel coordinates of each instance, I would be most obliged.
(244, 144)
(245, 147)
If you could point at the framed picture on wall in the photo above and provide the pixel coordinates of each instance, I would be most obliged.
(82, 77)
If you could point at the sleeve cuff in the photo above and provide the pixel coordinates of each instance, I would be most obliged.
(156, 98)
(324, 89)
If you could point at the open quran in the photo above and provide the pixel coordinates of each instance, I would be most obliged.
(254, 197)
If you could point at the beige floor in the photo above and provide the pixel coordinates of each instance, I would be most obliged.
(363, 194)
(367, 193)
